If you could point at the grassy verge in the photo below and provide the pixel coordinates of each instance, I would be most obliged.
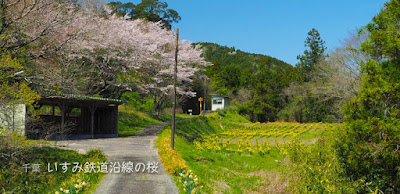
(131, 121)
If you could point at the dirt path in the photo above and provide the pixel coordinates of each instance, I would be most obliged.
(136, 149)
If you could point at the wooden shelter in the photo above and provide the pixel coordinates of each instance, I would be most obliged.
(92, 116)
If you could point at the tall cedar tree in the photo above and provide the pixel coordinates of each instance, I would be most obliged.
(313, 55)
(304, 107)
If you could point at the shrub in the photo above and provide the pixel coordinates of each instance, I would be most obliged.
(369, 147)
(315, 168)
(140, 103)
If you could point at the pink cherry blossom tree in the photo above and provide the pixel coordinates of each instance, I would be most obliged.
(147, 49)
(134, 54)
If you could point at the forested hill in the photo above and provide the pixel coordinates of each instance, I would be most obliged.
(253, 81)
(223, 55)
(234, 69)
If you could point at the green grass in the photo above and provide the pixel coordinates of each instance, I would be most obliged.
(227, 172)
(13, 178)
(130, 121)
(200, 126)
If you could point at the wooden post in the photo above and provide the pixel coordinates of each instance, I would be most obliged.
(26, 121)
(62, 108)
(115, 120)
(92, 109)
(175, 72)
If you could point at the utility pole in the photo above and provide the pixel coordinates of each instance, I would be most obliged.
(175, 72)
(205, 93)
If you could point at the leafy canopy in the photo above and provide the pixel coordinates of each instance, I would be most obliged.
(151, 10)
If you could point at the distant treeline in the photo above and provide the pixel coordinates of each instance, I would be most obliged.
(268, 89)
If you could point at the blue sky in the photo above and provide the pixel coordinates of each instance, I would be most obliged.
(271, 27)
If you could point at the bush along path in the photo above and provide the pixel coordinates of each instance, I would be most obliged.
(134, 165)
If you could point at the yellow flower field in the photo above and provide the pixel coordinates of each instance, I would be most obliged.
(259, 137)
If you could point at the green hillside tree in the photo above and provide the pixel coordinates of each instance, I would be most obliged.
(13, 88)
(268, 86)
(370, 146)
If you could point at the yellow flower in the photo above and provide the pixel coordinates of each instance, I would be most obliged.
(66, 191)
(193, 191)
(79, 181)
(57, 192)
